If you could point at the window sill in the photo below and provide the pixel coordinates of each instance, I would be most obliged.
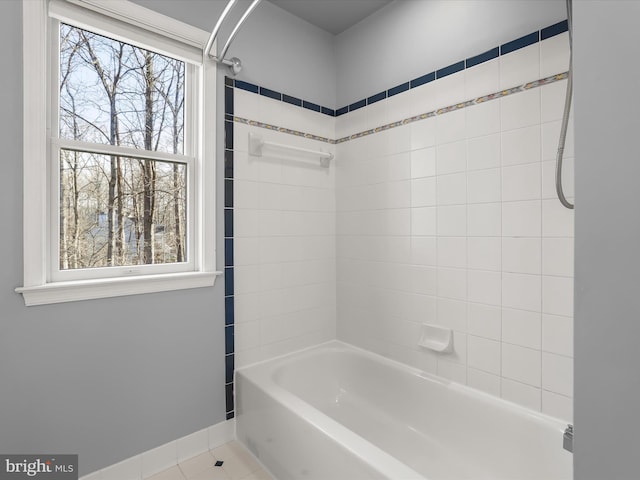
(60, 292)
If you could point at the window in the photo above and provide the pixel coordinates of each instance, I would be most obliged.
(119, 176)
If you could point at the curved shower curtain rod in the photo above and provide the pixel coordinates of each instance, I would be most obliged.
(233, 63)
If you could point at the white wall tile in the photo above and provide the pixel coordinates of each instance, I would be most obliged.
(521, 364)
(422, 280)
(423, 221)
(452, 189)
(423, 192)
(484, 287)
(451, 127)
(425, 97)
(423, 162)
(484, 186)
(459, 352)
(452, 252)
(452, 220)
(247, 335)
(557, 406)
(550, 137)
(557, 295)
(557, 256)
(484, 321)
(521, 219)
(452, 283)
(522, 292)
(552, 98)
(554, 55)
(521, 327)
(451, 158)
(484, 152)
(521, 182)
(484, 220)
(549, 178)
(557, 221)
(520, 66)
(422, 133)
(450, 89)
(483, 119)
(452, 371)
(521, 146)
(482, 79)
(520, 110)
(557, 374)
(483, 381)
(521, 255)
(484, 253)
(483, 354)
(423, 250)
(452, 314)
(522, 394)
(557, 334)
(398, 164)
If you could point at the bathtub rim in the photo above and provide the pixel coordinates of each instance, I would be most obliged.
(465, 390)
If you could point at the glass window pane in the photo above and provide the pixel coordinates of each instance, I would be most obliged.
(114, 93)
(119, 211)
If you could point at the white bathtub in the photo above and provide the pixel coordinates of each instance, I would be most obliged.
(335, 412)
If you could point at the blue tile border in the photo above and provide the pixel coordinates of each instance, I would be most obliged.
(519, 43)
(376, 98)
(398, 89)
(470, 62)
(265, 92)
(554, 30)
(357, 105)
(311, 106)
(416, 82)
(451, 69)
(292, 100)
(249, 87)
(229, 301)
(483, 57)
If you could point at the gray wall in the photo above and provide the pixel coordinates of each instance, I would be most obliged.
(106, 379)
(607, 300)
(278, 50)
(409, 38)
(109, 379)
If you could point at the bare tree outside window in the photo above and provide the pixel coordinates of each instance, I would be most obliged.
(117, 210)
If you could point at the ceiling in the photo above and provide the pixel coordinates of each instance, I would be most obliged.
(333, 16)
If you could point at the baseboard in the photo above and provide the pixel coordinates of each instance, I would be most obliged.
(168, 455)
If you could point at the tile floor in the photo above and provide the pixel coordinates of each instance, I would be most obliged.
(238, 464)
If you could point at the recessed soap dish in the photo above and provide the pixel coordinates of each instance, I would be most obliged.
(436, 338)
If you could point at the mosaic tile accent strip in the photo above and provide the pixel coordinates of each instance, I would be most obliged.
(276, 128)
(415, 118)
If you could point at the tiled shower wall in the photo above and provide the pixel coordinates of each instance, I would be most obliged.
(453, 220)
(283, 230)
(439, 208)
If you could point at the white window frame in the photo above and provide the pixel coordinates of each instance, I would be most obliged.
(43, 282)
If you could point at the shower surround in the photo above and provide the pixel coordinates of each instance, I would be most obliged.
(438, 208)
